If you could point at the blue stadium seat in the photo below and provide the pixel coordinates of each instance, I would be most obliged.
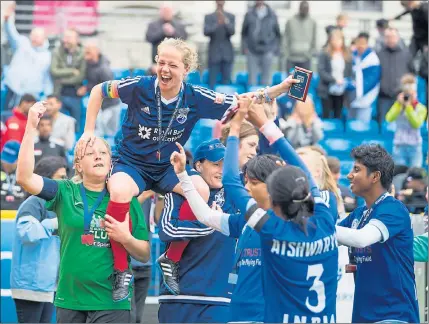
(386, 143)
(337, 147)
(346, 166)
(5, 114)
(421, 90)
(194, 77)
(285, 105)
(242, 78)
(139, 72)
(388, 129)
(254, 88)
(278, 77)
(333, 127)
(119, 74)
(360, 128)
(344, 181)
(229, 89)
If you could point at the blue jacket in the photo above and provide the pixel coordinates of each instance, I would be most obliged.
(35, 253)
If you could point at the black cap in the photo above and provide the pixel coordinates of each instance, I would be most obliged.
(382, 23)
(288, 183)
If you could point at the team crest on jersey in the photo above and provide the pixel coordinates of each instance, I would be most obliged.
(146, 110)
(220, 198)
(182, 115)
(355, 223)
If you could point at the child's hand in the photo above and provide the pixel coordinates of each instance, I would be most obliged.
(178, 159)
(257, 114)
(240, 115)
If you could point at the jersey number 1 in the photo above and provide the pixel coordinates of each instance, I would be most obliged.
(316, 271)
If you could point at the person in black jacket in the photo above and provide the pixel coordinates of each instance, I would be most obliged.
(97, 71)
(260, 36)
(336, 75)
(220, 26)
(165, 26)
(44, 145)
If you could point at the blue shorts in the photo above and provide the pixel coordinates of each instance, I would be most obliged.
(192, 313)
(160, 182)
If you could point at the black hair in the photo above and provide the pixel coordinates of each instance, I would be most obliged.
(382, 23)
(294, 199)
(375, 158)
(261, 166)
(53, 96)
(363, 35)
(27, 98)
(46, 117)
(48, 165)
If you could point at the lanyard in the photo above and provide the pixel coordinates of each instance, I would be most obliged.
(368, 212)
(87, 214)
(364, 218)
(176, 110)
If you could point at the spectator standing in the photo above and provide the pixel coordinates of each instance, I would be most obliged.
(15, 125)
(36, 252)
(419, 16)
(414, 194)
(63, 126)
(341, 22)
(12, 194)
(260, 36)
(381, 25)
(97, 71)
(303, 127)
(392, 54)
(336, 74)
(300, 38)
(220, 27)
(44, 145)
(367, 69)
(68, 71)
(165, 26)
(28, 70)
(410, 116)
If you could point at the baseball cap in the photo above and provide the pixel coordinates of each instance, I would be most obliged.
(10, 151)
(212, 150)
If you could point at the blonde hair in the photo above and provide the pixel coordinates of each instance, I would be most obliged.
(78, 176)
(190, 55)
(246, 130)
(346, 51)
(326, 181)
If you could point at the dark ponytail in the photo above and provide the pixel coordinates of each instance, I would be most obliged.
(292, 195)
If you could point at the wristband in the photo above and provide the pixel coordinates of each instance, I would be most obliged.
(271, 132)
(267, 97)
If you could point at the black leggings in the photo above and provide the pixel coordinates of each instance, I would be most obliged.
(332, 103)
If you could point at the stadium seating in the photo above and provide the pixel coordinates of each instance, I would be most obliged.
(119, 74)
(139, 72)
(333, 127)
(338, 147)
(346, 166)
(229, 89)
(194, 77)
(362, 129)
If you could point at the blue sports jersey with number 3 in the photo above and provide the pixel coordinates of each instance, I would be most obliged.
(139, 142)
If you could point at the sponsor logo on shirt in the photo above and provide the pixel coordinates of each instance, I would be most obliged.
(97, 228)
(220, 198)
(144, 132)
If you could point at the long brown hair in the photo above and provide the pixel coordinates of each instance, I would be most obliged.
(345, 50)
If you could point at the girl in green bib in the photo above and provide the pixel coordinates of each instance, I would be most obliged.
(84, 292)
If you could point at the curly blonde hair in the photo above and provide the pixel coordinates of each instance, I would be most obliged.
(190, 55)
(78, 176)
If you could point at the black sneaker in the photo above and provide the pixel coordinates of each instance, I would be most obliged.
(121, 284)
(170, 273)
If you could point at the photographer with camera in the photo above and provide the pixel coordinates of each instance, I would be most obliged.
(410, 116)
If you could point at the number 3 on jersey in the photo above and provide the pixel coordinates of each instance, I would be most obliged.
(316, 271)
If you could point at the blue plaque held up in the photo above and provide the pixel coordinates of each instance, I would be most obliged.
(299, 90)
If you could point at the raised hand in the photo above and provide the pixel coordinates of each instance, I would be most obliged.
(9, 11)
(178, 159)
(35, 113)
(257, 114)
(244, 103)
(288, 82)
(87, 139)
